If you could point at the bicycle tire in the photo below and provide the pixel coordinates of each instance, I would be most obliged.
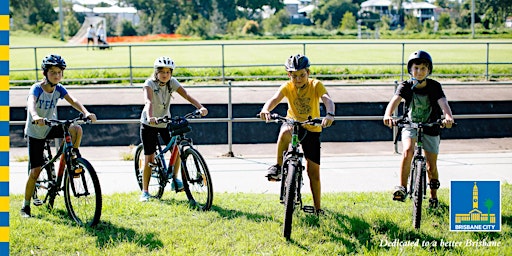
(156, 184)
(418, 194)
(290, 199)
(197, 179)
(45, 185)
(82, 194)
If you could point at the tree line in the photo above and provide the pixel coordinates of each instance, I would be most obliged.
(221, 18)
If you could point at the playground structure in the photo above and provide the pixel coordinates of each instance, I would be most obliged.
(81, 36)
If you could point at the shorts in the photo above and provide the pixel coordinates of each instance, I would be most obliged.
(430, 143)
(36, 146)
(90, 39)
(149, 137)
(310, 142)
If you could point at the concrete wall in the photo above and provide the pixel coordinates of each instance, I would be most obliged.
(260, 132)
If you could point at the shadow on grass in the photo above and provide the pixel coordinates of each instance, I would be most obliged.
(110, 235)
(234, 214)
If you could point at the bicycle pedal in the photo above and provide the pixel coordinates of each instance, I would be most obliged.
(37, 202)
(308, 209)
(78, 171)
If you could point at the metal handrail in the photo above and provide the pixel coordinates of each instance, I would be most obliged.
(223, 66)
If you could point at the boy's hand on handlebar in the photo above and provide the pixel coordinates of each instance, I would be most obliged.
(327, 121)
(91, 116)
(38, 121)
(203, 111)
(389, 121)
(448, 122)
(264, 115)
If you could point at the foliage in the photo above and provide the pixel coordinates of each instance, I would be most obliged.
(331, 12)
(444, 21)
(126, 29)
(199, 27)
(251, 27)
(235, 27)
(71, 24)
(275, 23)
(411, 23)
(348, 21)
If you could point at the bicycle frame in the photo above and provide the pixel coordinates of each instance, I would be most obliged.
(175, 146)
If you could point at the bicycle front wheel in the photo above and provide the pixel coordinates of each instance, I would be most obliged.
(198, 185)
(290, 198)
(417, 195)
(82, 194)
(156, 182)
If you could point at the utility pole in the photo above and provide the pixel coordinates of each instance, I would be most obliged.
(472, 19)
(61, 21)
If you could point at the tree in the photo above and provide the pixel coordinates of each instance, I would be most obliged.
(348, 21)
(275, 23)
(35, 13)
(444, 21)
(489, 203)
(332, 11)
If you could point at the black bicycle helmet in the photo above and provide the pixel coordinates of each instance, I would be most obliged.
(296, 62)
(420, 55)
(53, 60)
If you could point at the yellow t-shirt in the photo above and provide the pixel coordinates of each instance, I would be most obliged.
(304, 102)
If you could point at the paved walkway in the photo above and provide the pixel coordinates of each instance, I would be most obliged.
(361, 166)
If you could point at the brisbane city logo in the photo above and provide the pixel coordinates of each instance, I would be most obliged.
(475, 206)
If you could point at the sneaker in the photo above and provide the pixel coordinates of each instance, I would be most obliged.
(144, 197)
(319, 212)
(25, 212)
(180, 185)
(399, 193)
(274, 173)
(433, 203)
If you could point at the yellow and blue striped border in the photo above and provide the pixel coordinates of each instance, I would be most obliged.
(4, 127)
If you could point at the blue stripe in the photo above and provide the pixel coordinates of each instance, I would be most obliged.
(4, 37)
(4, 248)
(4, 7)
(4, 158)
(4, 188)
(4, 68)
(4, 98)
(4, 128)
(4, 219)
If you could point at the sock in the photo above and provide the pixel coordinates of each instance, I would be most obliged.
(26, 203)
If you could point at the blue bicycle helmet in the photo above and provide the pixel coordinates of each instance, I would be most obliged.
(296, 62)
(53, 60)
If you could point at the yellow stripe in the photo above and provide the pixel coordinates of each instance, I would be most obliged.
(4, 113)
(4, 143)
(4, 52)
(4, 22)
(4, 234)
(4, 173)
(4, 204)
(4, 83)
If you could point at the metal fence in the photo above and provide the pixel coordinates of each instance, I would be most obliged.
(484, 55)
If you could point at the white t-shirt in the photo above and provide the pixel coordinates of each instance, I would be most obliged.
(161, 101)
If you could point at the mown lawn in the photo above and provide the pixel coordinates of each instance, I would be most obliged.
(251, 224)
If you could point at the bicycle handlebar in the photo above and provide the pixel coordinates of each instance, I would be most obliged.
(166, 119)
(281, 119)
(55, 122)
(402, 123)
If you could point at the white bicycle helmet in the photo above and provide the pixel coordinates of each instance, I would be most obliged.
(164, 62)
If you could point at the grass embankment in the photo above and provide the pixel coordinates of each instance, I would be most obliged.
(251, 224)
(348, 59)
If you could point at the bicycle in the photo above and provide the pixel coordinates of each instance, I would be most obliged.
(75, 176)
(418, 175)
(292, 168)
(197, 182)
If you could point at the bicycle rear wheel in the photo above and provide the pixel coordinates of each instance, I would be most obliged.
(198, 185)
(44, 191)
(290, 198)
(417, 195)
(156, 187)
(82, 194)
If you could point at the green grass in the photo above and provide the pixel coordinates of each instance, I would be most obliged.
(250, 224)
(357, 53)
